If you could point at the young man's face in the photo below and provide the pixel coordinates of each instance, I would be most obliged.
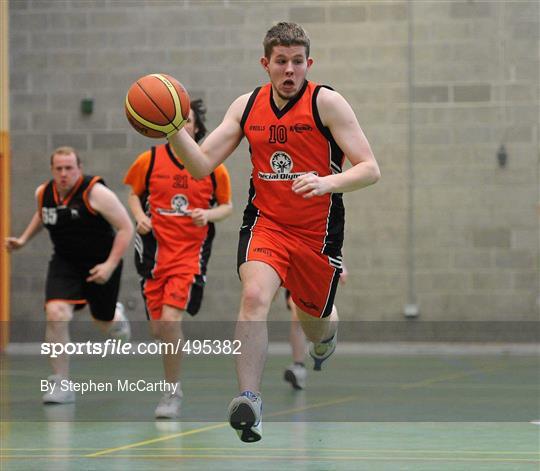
(287, 69)
(65, 171)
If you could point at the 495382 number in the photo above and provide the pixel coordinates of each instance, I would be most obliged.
(212, 347)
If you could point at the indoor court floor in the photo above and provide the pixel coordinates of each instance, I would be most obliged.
(362, 412)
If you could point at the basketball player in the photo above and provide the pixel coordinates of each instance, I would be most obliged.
(296, 373)
(79, 212)
(175, 217)
(299, 134)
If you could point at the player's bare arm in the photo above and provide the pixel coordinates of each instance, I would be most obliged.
(338, 116)
(33, 227)
(106, 203)
(143, 222)
(220, 143)
(201, 217)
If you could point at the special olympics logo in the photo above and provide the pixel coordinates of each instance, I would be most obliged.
(179, 207)
(179, 203)
(281, 162)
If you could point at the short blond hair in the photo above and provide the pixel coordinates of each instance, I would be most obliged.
(65, 150)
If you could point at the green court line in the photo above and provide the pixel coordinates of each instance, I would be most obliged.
(438, 379)
(286, 457)
(326, 450)
(221, 425)
(155, 440)
(348, 450)
(314, 406)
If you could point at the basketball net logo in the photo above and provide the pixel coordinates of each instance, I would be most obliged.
(281, 164)
(179, 207)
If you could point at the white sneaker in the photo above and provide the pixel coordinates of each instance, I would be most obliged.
(120, 328)
(245, 416)
(56, 395)
(296, 375)
(169, 405)
(321, 351)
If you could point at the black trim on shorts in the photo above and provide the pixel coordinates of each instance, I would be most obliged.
(144, 254)
(333, 242)
(196, 295)
(251, 214)
(332, 294)
(248, 107)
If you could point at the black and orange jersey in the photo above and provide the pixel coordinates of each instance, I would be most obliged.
(168, 194)
(284, 144)
(77, 231)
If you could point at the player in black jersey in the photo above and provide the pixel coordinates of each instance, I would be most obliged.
(90, 231)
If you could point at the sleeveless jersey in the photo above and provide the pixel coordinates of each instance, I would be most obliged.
(285, 144)
(168, 195)
(77, 231)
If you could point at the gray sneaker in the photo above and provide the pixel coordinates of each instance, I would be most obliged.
(245, 416)
(56, 395)
(321, 351)
(169, 405)
(296, 375)
(120, 328)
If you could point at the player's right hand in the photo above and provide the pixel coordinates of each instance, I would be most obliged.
(144, 225)
(14, 243)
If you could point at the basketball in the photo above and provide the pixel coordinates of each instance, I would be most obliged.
(157, 105)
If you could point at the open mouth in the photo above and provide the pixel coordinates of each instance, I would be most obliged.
(288, 84)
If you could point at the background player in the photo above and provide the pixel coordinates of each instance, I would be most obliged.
(79, 212)
(175, 216)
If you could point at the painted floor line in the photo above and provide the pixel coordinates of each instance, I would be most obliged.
(213, 427)
(281, 458)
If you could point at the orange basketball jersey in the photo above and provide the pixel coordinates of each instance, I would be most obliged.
(168, 194)
(285, 144)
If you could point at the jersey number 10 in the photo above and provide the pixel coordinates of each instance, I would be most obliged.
(278, 134)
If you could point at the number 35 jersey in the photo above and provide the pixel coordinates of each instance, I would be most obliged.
(78, 233)
(168, 195)
(285, 144)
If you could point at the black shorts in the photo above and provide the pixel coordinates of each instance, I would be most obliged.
(66, 281)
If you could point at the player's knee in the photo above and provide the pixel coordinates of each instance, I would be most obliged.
(171, 315)
(58, 312)
(255, 297)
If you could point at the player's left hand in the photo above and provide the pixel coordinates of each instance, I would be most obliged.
(101, 273)
(199, 217)
(311, 185)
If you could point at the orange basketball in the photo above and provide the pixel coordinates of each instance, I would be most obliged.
(157, 105)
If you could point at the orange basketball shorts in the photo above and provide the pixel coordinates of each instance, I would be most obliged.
(182, 291)
(310, 276)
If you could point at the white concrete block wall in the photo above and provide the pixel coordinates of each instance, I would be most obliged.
(476, 71)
